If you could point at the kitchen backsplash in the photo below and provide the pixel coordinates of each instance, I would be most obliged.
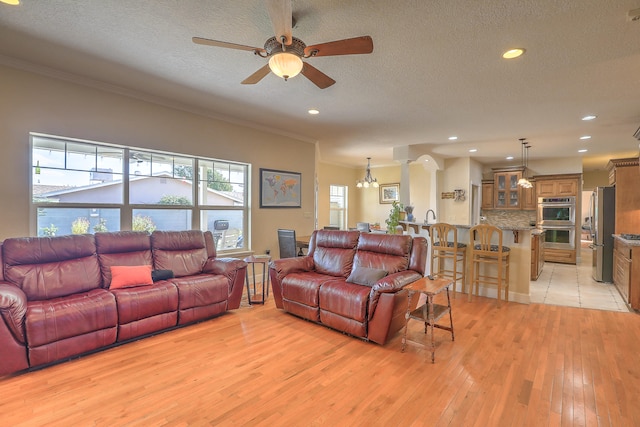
(509, 218)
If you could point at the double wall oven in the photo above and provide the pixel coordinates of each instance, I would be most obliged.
(557, 217)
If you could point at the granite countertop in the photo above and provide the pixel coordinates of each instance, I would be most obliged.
(507, 227)
(503, 226)
(630, 242)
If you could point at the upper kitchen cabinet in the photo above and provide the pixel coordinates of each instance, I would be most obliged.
(557, 185)
(506, 191)
(529, 200)
(487, 194)
(626, 177)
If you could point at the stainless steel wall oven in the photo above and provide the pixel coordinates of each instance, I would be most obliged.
(556, 211)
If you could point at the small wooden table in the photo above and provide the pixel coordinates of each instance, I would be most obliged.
(253, 260)
(429, 313)
(302, 242)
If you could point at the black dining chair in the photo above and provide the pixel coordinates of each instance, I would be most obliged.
(287, 243)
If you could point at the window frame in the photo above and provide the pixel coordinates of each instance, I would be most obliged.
(344, 211)
(126, 208)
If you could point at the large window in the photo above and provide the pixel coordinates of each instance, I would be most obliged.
(338, 206)
(83, 187)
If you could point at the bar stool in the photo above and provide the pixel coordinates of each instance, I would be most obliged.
(442, 249)
(483, 252)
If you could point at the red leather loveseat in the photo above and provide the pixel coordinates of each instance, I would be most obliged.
(58, 295)
(351, 281)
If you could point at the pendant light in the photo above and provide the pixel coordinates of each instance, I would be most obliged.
(524, 182)
(368, 179)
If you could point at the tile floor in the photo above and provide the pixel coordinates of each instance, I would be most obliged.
(573, 286)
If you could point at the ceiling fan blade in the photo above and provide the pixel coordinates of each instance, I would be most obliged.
(280, 14)
(354, 46)
(257, 76)
(209, 42)
(316, 76)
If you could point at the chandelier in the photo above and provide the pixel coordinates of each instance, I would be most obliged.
(368, 179)
(524, 182)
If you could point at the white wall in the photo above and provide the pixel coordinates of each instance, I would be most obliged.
(37, 103)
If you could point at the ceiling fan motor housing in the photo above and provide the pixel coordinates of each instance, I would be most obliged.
(296, 47)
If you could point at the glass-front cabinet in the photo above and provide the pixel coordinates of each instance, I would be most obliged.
(506, 190)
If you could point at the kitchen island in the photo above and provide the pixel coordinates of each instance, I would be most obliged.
(517, 236)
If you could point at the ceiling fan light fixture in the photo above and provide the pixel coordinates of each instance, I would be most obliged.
(285, 65)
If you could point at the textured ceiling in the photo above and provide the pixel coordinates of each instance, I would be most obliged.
(436, 70)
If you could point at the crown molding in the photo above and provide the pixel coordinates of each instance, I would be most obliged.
(42, 70)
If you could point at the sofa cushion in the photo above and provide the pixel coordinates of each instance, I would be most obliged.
(345, 299)
(388, 252)
(184, 252)
(334, 251)
(60, 318)
(145, 301)
(303, 287)
(201, 297)
(52, 267)
(125, 276)
(366, 275)
(122, 248)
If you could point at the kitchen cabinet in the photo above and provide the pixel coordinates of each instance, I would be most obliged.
(529, 199)
(553, 187)
(537, 254)
(626, 179)
(626, 271)
(487, 195)
(506, 191)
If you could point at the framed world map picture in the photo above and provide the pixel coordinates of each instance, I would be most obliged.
(280, 189)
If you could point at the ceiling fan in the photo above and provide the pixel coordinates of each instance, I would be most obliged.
(286, 52)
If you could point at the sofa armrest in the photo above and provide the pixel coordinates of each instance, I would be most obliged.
(224, 266)
(390, 284)
(286, 266)
(13, 308)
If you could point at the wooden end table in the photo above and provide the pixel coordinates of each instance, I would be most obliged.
(429, 313)
(252, 261)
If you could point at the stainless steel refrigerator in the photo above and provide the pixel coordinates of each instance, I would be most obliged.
(603, 221)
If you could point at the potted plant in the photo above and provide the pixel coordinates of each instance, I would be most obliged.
(394, 217)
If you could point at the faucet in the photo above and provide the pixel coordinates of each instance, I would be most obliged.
(434, 216)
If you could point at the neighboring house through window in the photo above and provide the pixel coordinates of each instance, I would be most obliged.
(83, 187)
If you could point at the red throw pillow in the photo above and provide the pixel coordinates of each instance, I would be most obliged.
(124, 276)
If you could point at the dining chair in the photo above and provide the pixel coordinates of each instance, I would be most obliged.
(363, 226)
(287, 243)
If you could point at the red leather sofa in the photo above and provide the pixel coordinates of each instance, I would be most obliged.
(318, 286)
(56, 301)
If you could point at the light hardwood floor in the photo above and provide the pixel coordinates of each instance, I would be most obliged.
(516, 365)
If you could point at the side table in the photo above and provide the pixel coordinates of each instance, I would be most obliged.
(252, 261)
(429, 313)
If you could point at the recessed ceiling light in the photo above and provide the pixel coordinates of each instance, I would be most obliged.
(583, 150)
(585, 137)
(11, 2)
(453, 138)
(513, 53)
(587, 118)
(314, 111)
(473, 150)
(509, 157)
